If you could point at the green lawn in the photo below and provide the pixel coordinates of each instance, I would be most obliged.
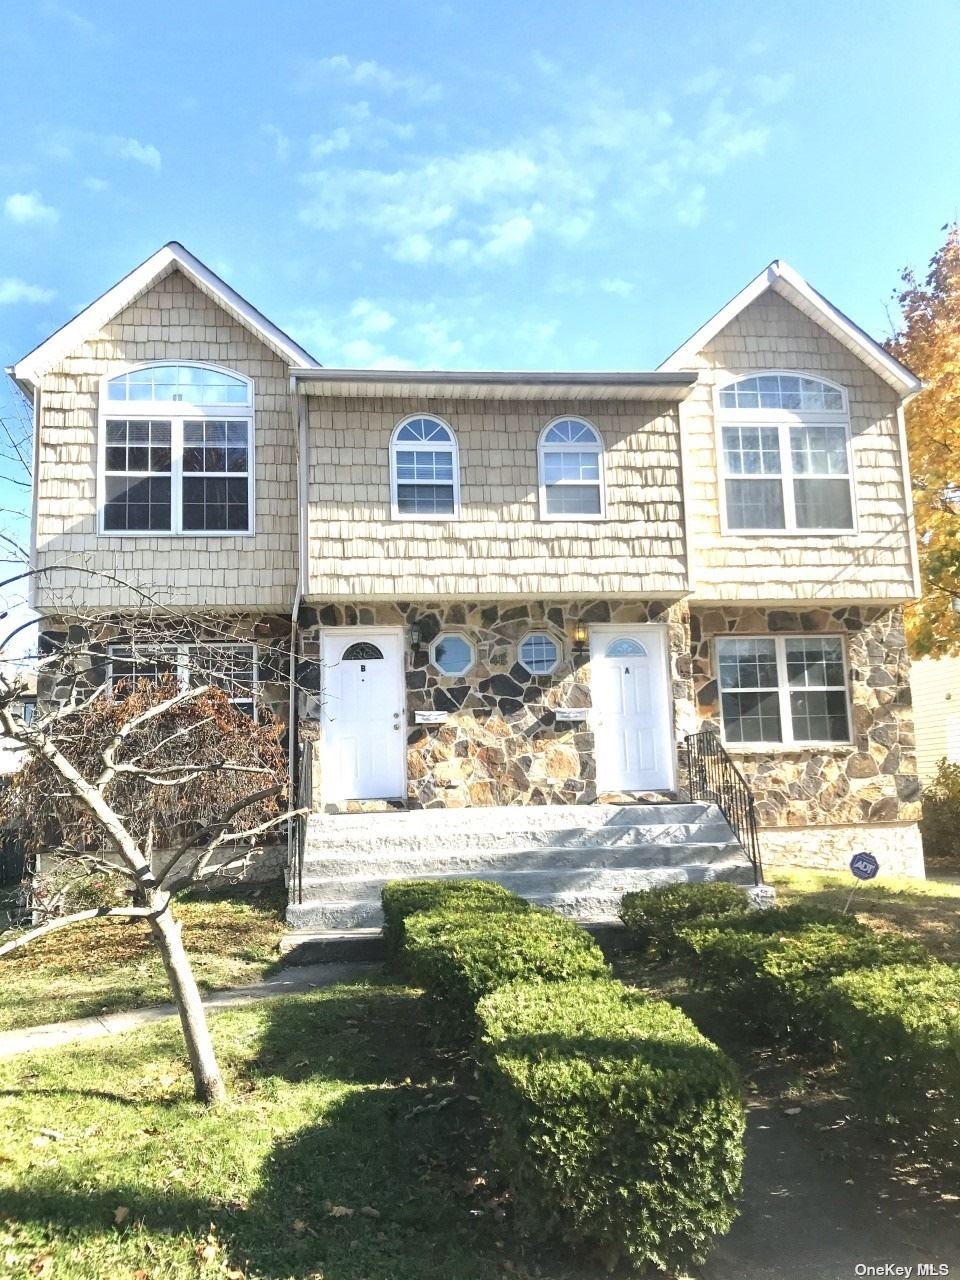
(106, 966)
(344, 1152)
(927, 910)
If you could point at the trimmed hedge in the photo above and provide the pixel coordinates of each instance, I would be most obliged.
(653, 916)
(771, 977)
(899, 1034)
(617, 1121)
(403, 898)
(461, 956)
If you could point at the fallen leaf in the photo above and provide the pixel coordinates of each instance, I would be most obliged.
(792, 1111)
(140, 1274)
(340, 1211)
(299, 1226)
(120, 1214)
(55, 1134)
(41, 1265)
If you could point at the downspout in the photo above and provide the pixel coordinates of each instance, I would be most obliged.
(300, 436)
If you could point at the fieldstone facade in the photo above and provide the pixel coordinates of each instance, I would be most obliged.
(818, 805)
(505, 741)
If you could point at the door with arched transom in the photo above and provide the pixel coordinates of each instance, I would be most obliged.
(631, 718)
(363, 720)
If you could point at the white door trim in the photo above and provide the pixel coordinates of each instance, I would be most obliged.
(329, 634)
(603, 630)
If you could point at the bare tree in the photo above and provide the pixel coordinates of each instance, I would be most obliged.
(159, 776)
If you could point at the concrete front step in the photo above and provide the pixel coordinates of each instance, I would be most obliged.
(579, 896)
(408, 865)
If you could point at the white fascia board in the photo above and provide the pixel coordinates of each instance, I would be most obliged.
(782, 278)
(172, 256)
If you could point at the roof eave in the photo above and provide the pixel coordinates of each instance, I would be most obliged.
(433, 383)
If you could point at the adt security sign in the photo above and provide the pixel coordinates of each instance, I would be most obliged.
(864, 866)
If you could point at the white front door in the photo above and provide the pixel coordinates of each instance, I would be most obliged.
(364, 726)
(631, 718)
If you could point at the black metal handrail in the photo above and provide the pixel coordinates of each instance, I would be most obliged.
(303, 799)
(712, 777)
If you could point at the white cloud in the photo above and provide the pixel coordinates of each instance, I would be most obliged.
(13, 290)
(704, 82)
(96, 184)
(620, 288)
(340, 69)
(370, 317)
(320, 146)
(282, 145)
(772, 89)
(604, 157)
(76, 21)
(144, 153)
(28, 206)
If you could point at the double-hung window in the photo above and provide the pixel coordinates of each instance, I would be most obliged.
(231, 666)
(785, 455)
(571, 471)
(783, 689)
(177, 451)
(424, 470)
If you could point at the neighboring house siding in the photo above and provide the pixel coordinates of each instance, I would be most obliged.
(875, 563)
(172, 321)
(499, 545)
(936, 712)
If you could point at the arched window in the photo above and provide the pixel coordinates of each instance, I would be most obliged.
(176, 451)
(570, 457)
(361, 651)
(785, 455)
(626, 647)
(424, 470)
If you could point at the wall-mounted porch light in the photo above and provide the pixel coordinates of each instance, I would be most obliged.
(415, 638)
(579, 639)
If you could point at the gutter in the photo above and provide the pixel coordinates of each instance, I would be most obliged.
(300, 435)
(417, 377)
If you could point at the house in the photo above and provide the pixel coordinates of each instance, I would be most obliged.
(935, 683)
(505, 589)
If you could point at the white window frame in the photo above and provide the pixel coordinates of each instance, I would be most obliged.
(596, 447)
(183, 664)
(782, 420)
(557, 644)
(425, 446)
(444, 635)
(787, 739)
(176, 412)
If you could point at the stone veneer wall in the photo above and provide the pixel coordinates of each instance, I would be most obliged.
(817, 806)
(502, 743)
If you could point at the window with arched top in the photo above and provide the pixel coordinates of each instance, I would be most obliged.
(176, 451)
(785, 455)
(626, 647)
(424, 470)
(570, 463)
(361, 651)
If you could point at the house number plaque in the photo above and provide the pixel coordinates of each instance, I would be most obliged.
(430, 717)
(575, 715)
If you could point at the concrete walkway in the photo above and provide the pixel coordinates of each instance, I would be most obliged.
(284, 983)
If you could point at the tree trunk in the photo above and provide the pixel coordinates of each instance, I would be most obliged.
(207, 1081)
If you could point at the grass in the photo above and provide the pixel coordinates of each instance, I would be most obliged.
(926, 910)
(106, 966)
(345, 1151)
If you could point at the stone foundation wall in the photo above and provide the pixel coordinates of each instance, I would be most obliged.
(871, 780)
(896, 847)
(503, 742)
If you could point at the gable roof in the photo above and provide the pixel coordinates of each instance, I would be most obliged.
(172, 257)
(789, 284)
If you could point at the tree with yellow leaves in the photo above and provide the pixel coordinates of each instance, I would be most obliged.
(928, 342)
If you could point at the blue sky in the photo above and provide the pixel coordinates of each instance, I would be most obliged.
(475, 185)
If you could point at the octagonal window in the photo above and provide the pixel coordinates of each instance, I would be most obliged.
(539, 653)
(452, 654)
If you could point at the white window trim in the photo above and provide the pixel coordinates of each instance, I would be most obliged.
(425, 446)
(183, 666)
(460, 636)
(782, 419)
(176, 412)
(554, 640)
(598, 447)
(787, 742)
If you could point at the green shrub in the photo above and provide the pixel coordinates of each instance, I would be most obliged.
(617, 1122)
(459, 957)
(898, 1029)
(653, 916)
(940, 823)
(403, 898)
(770, 980)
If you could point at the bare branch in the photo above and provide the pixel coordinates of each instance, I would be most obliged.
(94, 913)
(219, 826)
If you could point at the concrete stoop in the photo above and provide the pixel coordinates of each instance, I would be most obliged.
(579, 860)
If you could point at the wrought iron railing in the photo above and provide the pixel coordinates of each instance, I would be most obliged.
(712, 777)
(302, 799)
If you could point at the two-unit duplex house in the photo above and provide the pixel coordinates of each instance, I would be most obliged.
(506, 589)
